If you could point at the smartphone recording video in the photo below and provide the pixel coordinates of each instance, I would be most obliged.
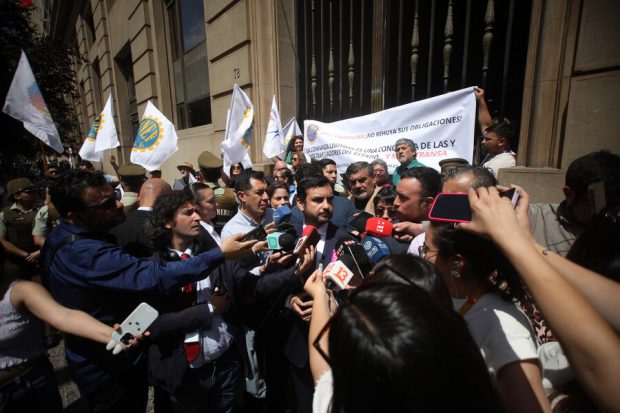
(450, 207)
(454, 206)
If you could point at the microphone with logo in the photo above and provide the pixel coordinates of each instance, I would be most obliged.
(375, 248)
(309, 236)
(349, 250)
(280, 241)
(379, 227)
(338, 275)
(282, 214)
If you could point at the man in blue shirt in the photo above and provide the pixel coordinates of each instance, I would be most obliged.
(87, 272)
(406, 155)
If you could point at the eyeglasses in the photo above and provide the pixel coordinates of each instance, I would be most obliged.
(424, 250)
(107, 205)
(295, 159)
(317, 341)
(380, 211)
(378, 172)
(30, 190)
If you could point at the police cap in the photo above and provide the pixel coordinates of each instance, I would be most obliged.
(208, 160)
(17, 185)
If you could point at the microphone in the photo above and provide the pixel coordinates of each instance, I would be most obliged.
(281, 214)
(280, 241)
(378, 227)
(309, 236)
(339, 274)
(375, 248)
(359, 222)
(347, 246)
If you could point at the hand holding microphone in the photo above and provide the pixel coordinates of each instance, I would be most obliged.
(315, 285)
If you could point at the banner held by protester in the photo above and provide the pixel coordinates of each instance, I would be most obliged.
(441, 127)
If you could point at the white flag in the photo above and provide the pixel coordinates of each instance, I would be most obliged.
(106, 135)
(87, 151)
(25, 103)
(246, 162)
(239, 130)
(274, 139)
(101, 136)
(156, 140)
(291, 129)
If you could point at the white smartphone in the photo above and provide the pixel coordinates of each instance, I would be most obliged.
(136, 323)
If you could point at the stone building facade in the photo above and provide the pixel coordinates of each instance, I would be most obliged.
(185, 56)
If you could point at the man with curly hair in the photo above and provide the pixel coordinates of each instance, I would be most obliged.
(85, 271)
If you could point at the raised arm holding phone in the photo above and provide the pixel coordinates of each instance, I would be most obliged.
(594, 348)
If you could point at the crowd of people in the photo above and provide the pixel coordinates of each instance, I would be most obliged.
(515, 310)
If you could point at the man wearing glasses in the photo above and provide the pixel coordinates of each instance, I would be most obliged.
(86, 271)
(16, 223)
(380, 172)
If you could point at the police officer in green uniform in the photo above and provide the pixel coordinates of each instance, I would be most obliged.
(211, 170)
(132, 177)
(16, 223)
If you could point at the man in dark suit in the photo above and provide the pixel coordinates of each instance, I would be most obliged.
(343, 210)
(315, 198)
(196, 356)
(130, 234)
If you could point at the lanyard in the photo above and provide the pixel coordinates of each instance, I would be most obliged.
(471, 300)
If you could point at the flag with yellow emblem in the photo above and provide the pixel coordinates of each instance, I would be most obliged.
(101, 136)
(156, 140)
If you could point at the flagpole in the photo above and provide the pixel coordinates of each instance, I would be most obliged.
(43, 154)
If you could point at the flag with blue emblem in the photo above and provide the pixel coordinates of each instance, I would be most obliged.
(101, 136)
(239, 130)
(274, 139)
(88, 151)
(25, 103)
(156, 140)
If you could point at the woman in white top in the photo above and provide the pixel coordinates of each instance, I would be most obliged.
(482, 283)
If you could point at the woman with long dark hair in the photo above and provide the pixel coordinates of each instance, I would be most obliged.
(295, 144)
(392, 347)
(483, 285)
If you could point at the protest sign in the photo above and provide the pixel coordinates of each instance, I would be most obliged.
(441, 127)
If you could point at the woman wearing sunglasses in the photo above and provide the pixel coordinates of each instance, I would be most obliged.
(298, 159)
(393, 347)
(384, 203)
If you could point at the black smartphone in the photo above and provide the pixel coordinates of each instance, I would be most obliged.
(454, 206)
(257, 233)
(450, 207)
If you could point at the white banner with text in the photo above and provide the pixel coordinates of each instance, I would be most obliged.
(441, 127)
